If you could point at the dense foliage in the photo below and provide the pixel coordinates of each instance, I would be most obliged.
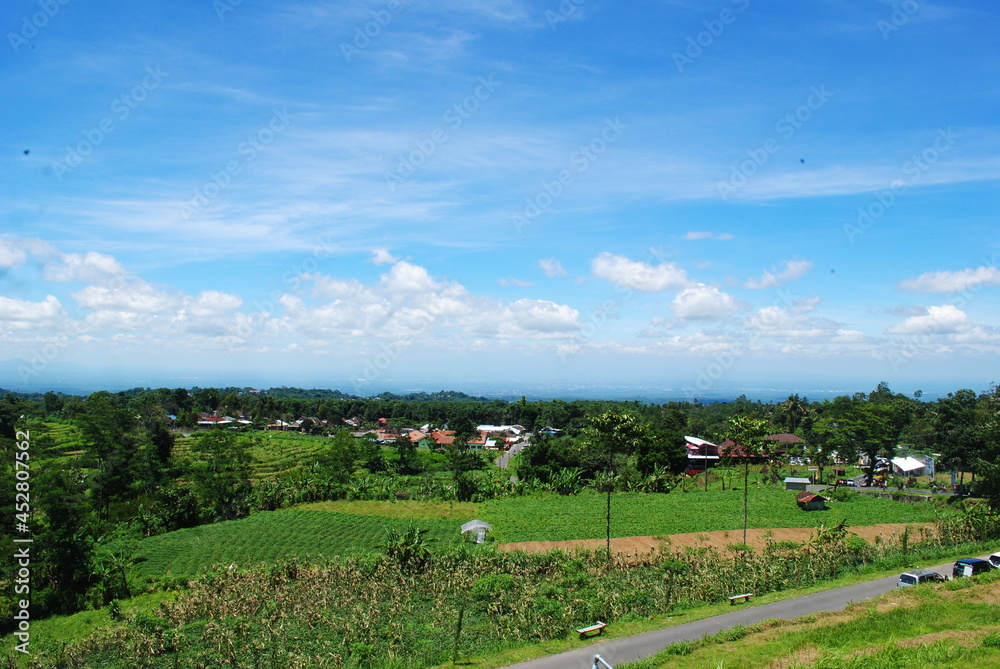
(110, 469)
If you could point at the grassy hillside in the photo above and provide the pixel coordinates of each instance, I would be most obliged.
(954, 625)
(272, 535)
(559, 518)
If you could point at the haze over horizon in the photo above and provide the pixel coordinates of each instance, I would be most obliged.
(679, 197)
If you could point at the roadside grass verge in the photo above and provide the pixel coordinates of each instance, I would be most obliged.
(708, 648)
(943, 625)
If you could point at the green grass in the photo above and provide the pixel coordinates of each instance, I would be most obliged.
(271, 535)
(399, 509)
(561, 518)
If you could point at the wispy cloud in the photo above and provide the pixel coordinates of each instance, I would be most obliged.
(952, 282)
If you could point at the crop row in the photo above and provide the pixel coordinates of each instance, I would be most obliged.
(561, 518)
(272, 535)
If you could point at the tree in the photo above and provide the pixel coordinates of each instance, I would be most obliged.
(793, 410)
(748, 435)
(109, 435)
(407, 451)
(65, 543)
(958, 431)
(615, 434)
(862, 428)
(222, 474)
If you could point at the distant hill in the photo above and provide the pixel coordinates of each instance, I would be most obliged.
(439, 396)
(284, 392)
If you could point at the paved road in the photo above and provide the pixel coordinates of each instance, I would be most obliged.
(504, 459)
(635, 648)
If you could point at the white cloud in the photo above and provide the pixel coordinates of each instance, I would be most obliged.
(703, 302)
(21, 311)
(627, 273)
(943, 319)
(11, 255)
(551, 267)
(693, 235)
(325, 286)
(408, 303)
(407, 278)
(213, 302)
(137, 296)
(511, 281)
(952, 282)
(773, 278)
(775, 322)
(91, 267)
(539, 316)
(381, 256)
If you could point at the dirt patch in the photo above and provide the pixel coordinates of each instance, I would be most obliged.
(968, 639)
(804, 657)
(630, 546)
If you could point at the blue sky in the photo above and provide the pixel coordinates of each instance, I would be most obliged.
(685, 197)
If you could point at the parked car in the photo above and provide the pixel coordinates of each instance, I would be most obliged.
(970, 567)
(994, 560)
(848, 482)
(917, 576)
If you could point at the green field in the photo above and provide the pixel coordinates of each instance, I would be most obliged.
(271, 535)
(407, 509)
(345, 527)
(558, 518)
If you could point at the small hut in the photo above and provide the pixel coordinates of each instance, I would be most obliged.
(810, 501)
(796, 483)
(480, 527)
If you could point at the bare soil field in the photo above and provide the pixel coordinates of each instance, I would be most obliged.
(629, 546)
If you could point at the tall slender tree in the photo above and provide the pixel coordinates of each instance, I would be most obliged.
(748, 437)
(615, 434)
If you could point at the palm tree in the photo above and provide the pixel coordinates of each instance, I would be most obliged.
(793, 409)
